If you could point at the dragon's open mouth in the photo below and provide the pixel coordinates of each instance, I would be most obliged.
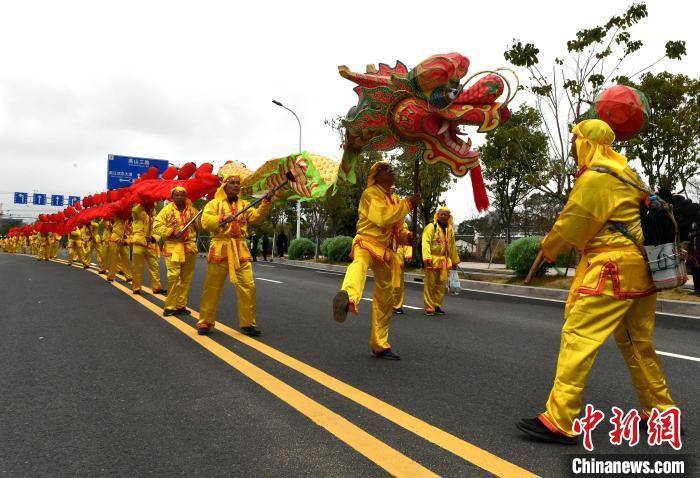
(449, 134)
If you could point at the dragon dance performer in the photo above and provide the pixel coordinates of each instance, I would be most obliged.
(229, 255)
(54, 244)
(180, 248)
(76, 251)
(118, 250)
(33, 249)
(380, 226)
(439, 255)
(145, 248)
(103, 247)
(92, 243)
(404, 254)
(44, 246)
(612, 291)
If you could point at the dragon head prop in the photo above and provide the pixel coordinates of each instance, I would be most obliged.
(423, 110)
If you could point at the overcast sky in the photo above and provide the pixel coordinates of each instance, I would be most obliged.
(193, 81)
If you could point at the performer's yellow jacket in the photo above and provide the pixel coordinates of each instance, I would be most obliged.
(610, 264)
(142, 228)
(119, 232)
(381, 226)
(439, 248)
(169, 221)
(228, 244)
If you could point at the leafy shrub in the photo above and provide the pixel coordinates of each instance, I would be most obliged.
(324, 246)
(301, 248)
(339, 248)
(521, 253)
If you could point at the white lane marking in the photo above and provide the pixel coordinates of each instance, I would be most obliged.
(270, 280)
(685, 357)
(263, 265)
(330, 273)
(407, 306)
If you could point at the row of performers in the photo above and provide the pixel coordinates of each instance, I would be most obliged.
(612, 292)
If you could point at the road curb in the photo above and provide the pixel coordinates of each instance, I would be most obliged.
(666, 306)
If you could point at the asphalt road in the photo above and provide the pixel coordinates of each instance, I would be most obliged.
(95, 383)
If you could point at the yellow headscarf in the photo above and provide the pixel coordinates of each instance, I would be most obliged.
(373, 172)
(177, 188)
(593, 144)
(443, 208)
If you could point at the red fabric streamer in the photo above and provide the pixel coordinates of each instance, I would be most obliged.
(481, 199)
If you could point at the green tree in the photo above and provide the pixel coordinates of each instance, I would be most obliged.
(6, 224)
(515, 156)
(564, 90)
(669, 147)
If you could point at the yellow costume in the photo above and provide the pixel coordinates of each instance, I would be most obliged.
(180, 253)
(44, 246)
(54, 244)
(144, 250)
(612, 291)
(229, 256)
(103, 249)
(118, 250)
(75, 247)
(380, 228)
(404, 252)
(439, 255)
(92, 244)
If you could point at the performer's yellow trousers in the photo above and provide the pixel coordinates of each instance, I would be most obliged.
(44, 251)
(433, 289)
(103, 251)
(77, 252)
(118, 258)
(145, 256)
(179, 281)
(99, 256)
(591, 320)
(53, 250)
(382, 300)
(217, 275)
(400, 293)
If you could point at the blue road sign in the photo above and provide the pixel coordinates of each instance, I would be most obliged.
(122, 171)
(73, 199)
(56, 200)
(39, 199)
(21, 198)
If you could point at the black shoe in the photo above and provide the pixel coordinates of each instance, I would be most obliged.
(102, 272)
(340, 306)
(87, 266)
(204, 329)
(160, 291)
(439, 311)
(182, 311)
(251, 330)
(399, 311)
(387, 355)
(136, 292)
(536, 429)
(167, 312)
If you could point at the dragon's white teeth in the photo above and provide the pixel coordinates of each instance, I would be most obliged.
(445, 126)
(464, 148)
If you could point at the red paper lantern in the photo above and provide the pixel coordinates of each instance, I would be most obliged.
(623, 108)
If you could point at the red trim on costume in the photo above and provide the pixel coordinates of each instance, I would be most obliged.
(610, 269)
(550, 426)
(352, 307)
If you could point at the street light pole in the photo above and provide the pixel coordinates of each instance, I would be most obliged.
(298, 202)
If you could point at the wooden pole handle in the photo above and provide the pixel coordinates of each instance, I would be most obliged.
(535, 266)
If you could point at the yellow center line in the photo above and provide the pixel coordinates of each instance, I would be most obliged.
(455, 445)
(391, 460)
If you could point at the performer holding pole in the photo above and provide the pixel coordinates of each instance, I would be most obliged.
(176, 224)
(439, 256)
(612, 292)
(381, 223)
(227, 217)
